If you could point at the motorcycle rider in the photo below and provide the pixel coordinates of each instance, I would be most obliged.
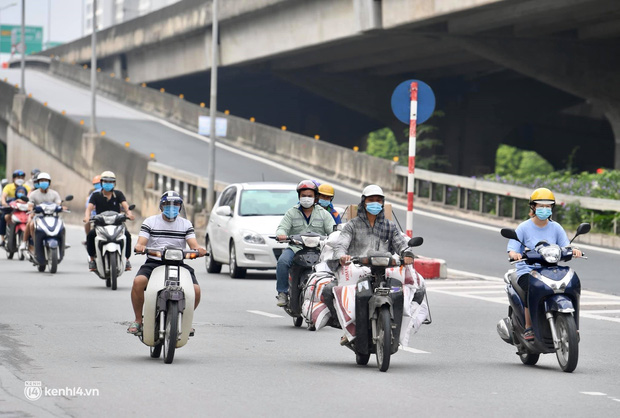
(160, 231)
(43, 194)
(326, 196)
(21, 196)
(96, 188)
(304, 217)
(31, 181)
(8, 194)
(106, 199)
(540, 227)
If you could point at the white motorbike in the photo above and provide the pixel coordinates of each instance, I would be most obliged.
(110, 244)
(168, 303)
(49, 236)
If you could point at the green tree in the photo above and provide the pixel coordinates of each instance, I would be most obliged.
(2, 161)
(511, 161)
(382, 143)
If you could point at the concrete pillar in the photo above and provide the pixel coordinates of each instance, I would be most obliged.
(613, 115)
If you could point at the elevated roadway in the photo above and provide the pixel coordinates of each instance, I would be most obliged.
(466, 246)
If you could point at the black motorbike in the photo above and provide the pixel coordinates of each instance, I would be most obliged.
(378, 309)
(554, 293)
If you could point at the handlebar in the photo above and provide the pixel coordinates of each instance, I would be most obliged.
(159, 252)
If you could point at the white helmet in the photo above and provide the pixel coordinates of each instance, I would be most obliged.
(43, 176)
(108, 176)
(372, 190)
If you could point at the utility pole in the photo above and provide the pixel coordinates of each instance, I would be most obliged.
(22, 42)
(212, 109)
(93, 71)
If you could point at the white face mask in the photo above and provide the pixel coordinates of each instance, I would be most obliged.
(19, 182)
(306, 202)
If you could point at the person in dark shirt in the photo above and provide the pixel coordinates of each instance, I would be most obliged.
(107, 199)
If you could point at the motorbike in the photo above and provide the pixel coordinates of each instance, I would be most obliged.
(110, 244)
(379, 305)
(15, 230)
(49, 236)
(553, 300)
(301, 269)
(168, 303)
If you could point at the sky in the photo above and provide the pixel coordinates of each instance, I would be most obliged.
(66, 22)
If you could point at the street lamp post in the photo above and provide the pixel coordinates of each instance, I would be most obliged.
(93, 71)
(22, 42)
(212, 109)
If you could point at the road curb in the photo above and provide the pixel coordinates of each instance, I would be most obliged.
(431, 268)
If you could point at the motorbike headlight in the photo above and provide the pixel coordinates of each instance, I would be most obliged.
(311, 242)
(380, 261)
(173, 255)
(252, 237)
(109, 219)
(551, 253)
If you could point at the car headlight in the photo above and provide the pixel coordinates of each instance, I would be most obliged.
(380, 261)
(311, 242)
(173, 255)
(252, 237)
(551, 253)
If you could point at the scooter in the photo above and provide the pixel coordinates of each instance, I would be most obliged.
(15, 230)
(554, 293)
(379, 305)
(49, 236)
(110, 244)
(168, 303)
(301, 269)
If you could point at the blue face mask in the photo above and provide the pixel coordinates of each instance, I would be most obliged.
(97, 186)
(543, 213)
(107, 186)
(44, 185)
(324, 203)
(374, 208)
(36, 185)
(20, 195)
(171, 212)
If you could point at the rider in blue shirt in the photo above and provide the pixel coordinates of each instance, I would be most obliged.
(326, 195)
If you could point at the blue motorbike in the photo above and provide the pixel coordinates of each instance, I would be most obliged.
(554, 293)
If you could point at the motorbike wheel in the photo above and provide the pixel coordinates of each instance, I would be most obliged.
(212, 265)
(529, 359)
(384, 339)
(298, 320)
(172, 323)
(113, 270)
(8, 245)
(156, 350)
(53, 261)
(568, 353)
(236, 272)
(362, 359)
(20, 239)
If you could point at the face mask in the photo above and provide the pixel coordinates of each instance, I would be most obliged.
(543, 213)
(108, 186)
(19, 182)
(324, 203)
(306, 202)
(44, 185)
(171, 212)
(97, 186)
(374, 208)
(21, 195)
(36, 185)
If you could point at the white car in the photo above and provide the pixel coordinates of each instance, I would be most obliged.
(241, 222)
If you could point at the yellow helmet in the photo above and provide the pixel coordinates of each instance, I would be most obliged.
(542, 195)
(326, 189)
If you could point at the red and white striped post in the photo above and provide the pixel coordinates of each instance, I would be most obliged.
(413, 114)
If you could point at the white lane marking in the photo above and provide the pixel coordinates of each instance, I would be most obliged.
(610, 311)
(594, 393)
(586, 314)
(270, 315)
(414, 350)
(476, 275)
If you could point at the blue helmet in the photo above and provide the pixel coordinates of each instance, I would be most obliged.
(170, 197)
(21, 190)
(19, 173)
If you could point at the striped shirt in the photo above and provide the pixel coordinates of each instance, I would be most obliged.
(161, 233)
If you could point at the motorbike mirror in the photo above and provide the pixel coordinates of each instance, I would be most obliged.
(132, 207)
(415, 241)
(509, 233)
(69, 198)
(583, 228)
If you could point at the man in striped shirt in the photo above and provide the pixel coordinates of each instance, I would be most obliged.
(167, 229)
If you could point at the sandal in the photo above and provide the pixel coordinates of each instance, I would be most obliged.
(528, 334)
(344, 340)
(135, 328)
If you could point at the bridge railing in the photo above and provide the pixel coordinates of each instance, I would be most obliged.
(488, 197)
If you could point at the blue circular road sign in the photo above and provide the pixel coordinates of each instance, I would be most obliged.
(401, 101)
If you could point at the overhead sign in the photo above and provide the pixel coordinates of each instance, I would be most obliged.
(401, 101)
(10, 37)
(204, 126)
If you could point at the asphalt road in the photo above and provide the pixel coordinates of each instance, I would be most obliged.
(68, 331)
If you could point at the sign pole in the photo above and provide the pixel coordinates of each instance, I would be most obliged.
(93, 73)
(22, 41)
(413, 114)
(213, 109)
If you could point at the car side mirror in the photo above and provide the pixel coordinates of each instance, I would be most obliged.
(224, 211)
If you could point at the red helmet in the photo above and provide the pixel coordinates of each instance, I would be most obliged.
(307, 185)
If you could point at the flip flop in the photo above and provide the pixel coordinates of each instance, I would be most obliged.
(135, 328)
(528, 334)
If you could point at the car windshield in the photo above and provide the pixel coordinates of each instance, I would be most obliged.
(266, 202)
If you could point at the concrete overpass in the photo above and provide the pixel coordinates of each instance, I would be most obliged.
(537, 74)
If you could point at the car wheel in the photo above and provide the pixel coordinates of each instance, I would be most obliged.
(212, 265)
(236, 272)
